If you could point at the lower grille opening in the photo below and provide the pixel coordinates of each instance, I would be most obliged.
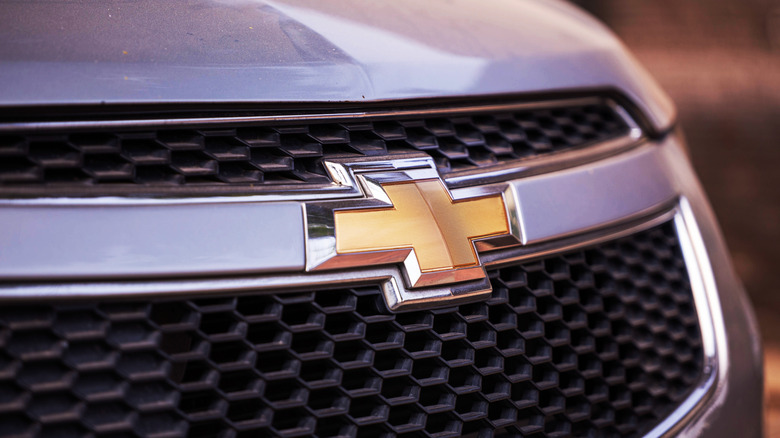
(600, 341)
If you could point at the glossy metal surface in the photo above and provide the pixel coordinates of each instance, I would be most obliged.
(219, 237)
(584, 197)
(424, 219)
(408, 218)
(39, 243)
(705, 294)
(317, 116)
(308, 51)
(324, 278)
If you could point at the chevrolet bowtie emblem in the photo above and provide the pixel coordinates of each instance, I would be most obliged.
(425, 221)
(407, 219)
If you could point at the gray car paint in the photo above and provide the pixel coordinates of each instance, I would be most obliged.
(150, 51)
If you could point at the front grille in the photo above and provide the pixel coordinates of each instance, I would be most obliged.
(251, 157)
(599, 342)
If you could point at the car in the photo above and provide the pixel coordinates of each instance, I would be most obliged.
(292, 218)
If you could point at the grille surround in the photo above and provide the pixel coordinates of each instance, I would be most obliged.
(533, 428)
(283, 153)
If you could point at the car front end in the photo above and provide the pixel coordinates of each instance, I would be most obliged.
(259, 218)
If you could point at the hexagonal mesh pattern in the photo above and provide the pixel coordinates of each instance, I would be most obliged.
(599, 342)
(250, 157)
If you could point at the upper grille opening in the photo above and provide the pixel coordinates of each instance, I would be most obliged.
(252, 157)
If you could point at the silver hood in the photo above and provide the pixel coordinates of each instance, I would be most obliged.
(148, 51)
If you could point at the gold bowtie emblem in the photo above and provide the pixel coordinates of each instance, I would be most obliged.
(424, 222)
(408, 231)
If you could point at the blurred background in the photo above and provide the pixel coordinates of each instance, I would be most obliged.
(720, 62)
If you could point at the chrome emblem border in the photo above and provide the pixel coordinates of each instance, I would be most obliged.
(410, 287)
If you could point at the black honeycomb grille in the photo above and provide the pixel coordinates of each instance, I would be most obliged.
(252, 157)
(596, 342)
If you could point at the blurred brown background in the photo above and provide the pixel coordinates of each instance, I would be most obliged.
(720, 62)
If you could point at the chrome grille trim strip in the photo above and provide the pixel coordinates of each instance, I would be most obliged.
(100, 253)
(711, 323)
(306, 117)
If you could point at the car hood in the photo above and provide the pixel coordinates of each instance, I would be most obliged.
(148, 51)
